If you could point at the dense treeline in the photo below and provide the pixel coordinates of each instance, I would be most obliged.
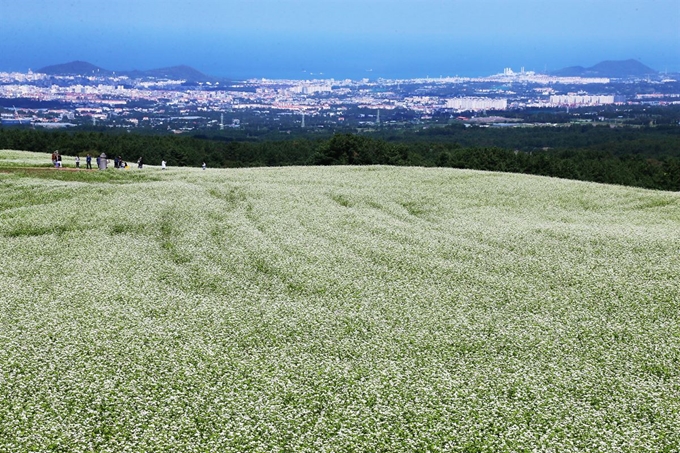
(586, 165)
(647, 157)
(647, 141)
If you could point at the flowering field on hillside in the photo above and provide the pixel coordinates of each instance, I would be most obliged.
(335, 309)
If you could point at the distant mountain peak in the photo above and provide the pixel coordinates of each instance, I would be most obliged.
(83, 68)
(182, 72)
(610, 68)
(74, 68)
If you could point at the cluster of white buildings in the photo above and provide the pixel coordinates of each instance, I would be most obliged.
(476, 104)
(311, 88)
(581, 99)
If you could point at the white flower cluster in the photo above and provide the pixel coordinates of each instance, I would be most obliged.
(336, 309)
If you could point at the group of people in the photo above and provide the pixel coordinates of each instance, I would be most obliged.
(118, 162)
(56, 159)
(103, 162)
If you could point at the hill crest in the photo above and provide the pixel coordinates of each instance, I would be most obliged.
(609, 68)
(74, 68)
(83, 68)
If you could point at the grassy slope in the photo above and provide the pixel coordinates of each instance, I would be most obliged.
(335, 309)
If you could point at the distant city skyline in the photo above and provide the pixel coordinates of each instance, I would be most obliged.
(340, 39)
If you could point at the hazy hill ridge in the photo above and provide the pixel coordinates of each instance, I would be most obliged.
(608, 68)
(83, 68)
(74, 68)
(614, 69)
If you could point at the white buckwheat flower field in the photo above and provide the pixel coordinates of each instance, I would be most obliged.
(332, 309)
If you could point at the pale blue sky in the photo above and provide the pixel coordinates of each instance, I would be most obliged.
(342, 38)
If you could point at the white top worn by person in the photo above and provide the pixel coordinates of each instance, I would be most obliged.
(162, 165)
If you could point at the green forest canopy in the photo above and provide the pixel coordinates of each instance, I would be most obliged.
(645, 157)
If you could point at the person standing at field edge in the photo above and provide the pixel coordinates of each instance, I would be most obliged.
(58, 160)
(54, 159)
(139, 163)
(162, 165)
(77, 161)
(88, 162)
(203, 166)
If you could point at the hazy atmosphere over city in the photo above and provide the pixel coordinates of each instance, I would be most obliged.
(341, 39)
